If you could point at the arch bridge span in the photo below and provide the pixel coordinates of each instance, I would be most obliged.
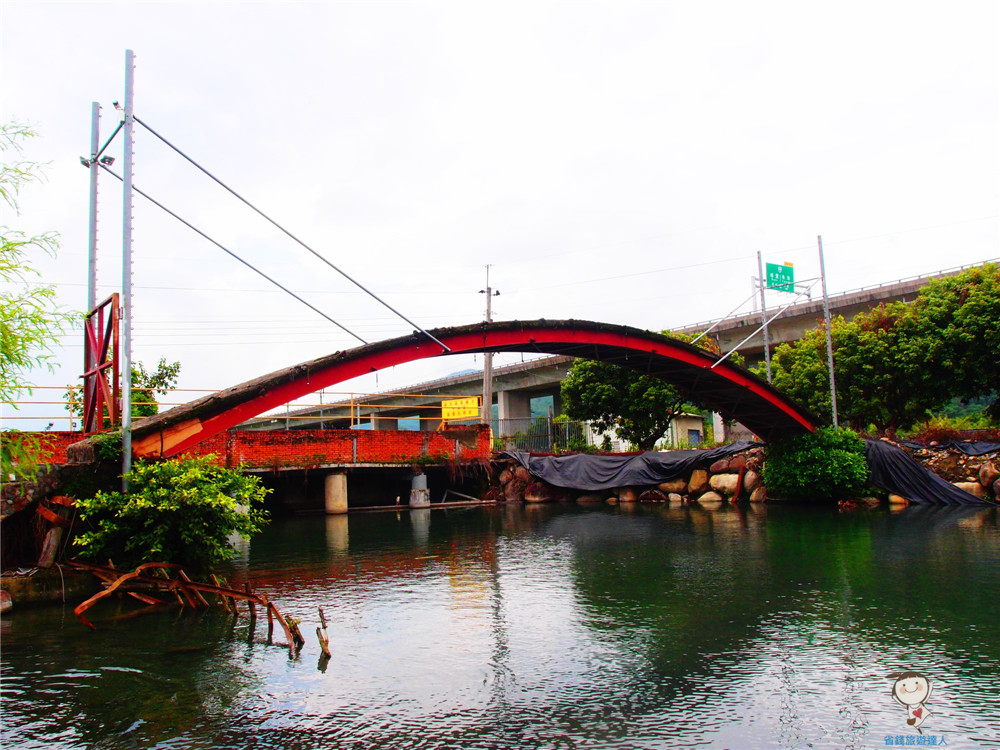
(728, 389)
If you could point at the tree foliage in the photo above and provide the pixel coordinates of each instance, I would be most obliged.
(180, 511)
(896, 363)
(638, 407)
(960, 316)
(30, 320)
(822, 466)
(146, 386)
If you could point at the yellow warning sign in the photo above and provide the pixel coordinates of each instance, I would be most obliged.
(460, 408)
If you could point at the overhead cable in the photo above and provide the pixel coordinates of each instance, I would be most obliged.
(287, 233)
(230, 253)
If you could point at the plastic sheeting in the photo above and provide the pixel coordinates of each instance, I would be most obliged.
(891, 468)
(589, 472)
(969, 448)
(894, 470)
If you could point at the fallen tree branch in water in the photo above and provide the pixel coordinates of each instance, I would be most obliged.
(155, 578)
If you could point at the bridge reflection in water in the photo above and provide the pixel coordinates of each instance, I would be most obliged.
(552, 626)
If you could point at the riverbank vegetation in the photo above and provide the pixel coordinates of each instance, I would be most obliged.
(826, 465)
(31, 321)
(176, 511)
(900, 365)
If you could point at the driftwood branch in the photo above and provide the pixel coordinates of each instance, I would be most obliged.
(154, 577)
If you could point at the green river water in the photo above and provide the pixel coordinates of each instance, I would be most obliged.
(546, 627)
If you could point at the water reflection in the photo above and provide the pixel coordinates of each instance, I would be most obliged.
(555, 626)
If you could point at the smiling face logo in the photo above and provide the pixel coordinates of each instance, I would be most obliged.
(911, 690)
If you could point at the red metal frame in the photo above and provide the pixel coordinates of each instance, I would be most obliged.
(100, 354)
(536, 336)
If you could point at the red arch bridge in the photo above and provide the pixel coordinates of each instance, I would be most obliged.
(726, 388)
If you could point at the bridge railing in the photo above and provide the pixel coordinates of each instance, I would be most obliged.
(541, 434)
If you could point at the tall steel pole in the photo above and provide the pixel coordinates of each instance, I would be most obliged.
(763, 311)
(487, 405)
(829, 336)
(126, 307)
(89, 357)
(95, 144)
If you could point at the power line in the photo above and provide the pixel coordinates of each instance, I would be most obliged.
(232, 254)
(285, 231)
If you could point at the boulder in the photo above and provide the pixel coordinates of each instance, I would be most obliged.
(698, 482)
(538, 492)
(522, 474)
(996, 490)
(505, 476)
(674, 485)
(737, 462)
(514, 491)
(898, 501)
(973, 488)
(589, 499)
(627, 495)
(710, 499)
(751, 481)
(759, 495)
(719, 467)
(988, 474)
(724, 484)
(612, 500)
(675, 499)
(652, 496)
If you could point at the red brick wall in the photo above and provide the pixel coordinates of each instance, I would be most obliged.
(53, 444)
(306, 448)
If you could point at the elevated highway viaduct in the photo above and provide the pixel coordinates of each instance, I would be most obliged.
(792, 324)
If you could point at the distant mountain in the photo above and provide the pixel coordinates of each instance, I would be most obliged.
(463, 372)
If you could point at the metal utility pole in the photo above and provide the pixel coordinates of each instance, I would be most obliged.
(126, 308)
(487, 405)
(763, 309)
(89, 358)
(95, 144)
(829, 336)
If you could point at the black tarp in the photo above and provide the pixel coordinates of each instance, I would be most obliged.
(894, 470)
(969, 447)
(584, 471)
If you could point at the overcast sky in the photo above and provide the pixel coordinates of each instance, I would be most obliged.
(619, 162)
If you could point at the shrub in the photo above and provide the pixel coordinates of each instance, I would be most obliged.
(828, 464)
(175, 511)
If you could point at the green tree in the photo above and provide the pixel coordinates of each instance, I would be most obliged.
(179, 511)
(961, 316)
(639, 408)
(898, 362)
(30, 319)
(146, 386)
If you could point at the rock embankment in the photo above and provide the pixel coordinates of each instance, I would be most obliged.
(730, 479)
(977, 475)
(738, 478)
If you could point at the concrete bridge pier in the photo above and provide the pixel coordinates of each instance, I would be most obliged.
(335, 493)
(420, 496)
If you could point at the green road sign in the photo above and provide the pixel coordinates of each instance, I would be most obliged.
(781, 278)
